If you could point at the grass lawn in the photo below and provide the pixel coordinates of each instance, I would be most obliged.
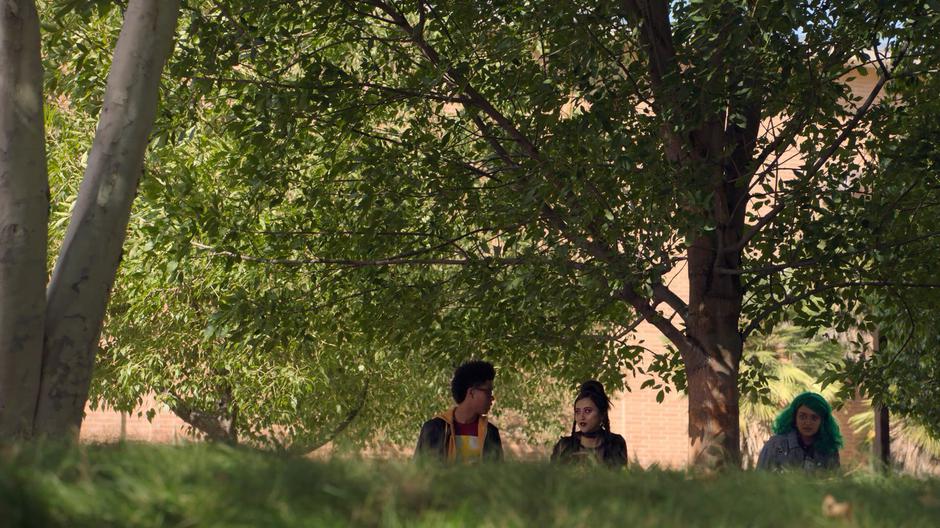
(200, 485)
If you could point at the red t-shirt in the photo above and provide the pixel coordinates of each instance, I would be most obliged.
(469, 446)
(469, 429)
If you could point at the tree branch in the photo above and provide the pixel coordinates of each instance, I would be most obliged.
(656, 34)
(802, 263)
(306, 448)
(820, 161)
(217, 426)
(362, 263)
(661, 293)
(693, 356)
(659, 36)
(401, 92)
(793, 299)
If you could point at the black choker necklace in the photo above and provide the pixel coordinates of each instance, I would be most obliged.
(592, 434)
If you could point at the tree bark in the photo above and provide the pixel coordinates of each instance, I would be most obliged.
(712, 344)
(714, 312)
(715, 300)
(882, 443)
(84, 273)
(24, 213)
(217, 426)
(714, 431)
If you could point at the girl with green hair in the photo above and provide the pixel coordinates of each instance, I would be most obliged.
(806, 436)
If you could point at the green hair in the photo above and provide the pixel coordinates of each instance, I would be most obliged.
(829, 438)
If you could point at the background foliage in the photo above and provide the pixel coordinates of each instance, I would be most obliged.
(261, 344)
(324, 229)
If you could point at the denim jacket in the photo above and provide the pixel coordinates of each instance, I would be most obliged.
(784, 451)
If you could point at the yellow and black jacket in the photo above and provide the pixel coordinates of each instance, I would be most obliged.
(437, 439)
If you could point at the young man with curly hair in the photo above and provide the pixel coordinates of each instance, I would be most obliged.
(463, 432)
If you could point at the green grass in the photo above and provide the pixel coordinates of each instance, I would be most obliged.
(201, 485)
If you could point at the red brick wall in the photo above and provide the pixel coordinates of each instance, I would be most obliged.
(656, 433)
(108, 425)
(855, 453)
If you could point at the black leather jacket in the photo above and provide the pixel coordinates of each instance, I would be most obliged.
(612, 450)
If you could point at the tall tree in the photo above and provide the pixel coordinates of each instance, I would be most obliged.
(50, 333)
(23, 216)
(537, 170)
(522, 179)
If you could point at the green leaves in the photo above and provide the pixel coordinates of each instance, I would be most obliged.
(325, 192)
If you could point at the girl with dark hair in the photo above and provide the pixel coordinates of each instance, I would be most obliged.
(591, 440)
(806, 436)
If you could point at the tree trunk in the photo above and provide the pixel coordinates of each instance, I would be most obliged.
(218, 425)
(24, 213)
(84, 274)
(714, 431)
(715, 298)
(881, 447)
(882, 443)
(714, 311)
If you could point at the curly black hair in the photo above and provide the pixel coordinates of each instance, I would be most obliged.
(468, 375)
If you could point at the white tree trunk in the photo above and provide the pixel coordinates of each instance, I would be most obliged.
(24, 213)
(88, 260)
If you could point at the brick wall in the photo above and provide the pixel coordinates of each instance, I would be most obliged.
(656, 433)
(108, 425)
(855, 452)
